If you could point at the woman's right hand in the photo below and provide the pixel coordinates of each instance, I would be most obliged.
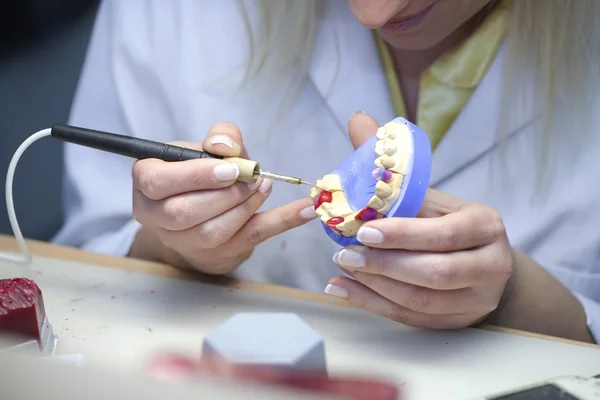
(194, 213)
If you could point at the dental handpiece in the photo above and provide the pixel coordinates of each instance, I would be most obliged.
(142, 149)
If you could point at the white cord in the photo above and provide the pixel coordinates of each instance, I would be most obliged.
(24, 258)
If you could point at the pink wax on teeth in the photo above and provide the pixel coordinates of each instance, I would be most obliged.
(22, 312)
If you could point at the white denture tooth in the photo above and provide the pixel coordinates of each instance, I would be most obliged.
(392, 130)
(396, 181)
(389, 202)
(350, 225)
(385, 161)
(383, 190)
(338, 197)
(402, 157)
(331, 183)
(389, 147)
(379, 147)
(381, 133)
(320, 212)
(385, 147)
(337, 209)
(375, 203)
(314, 193)
(403, 154)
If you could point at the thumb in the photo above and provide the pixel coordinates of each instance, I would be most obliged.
(225, 139)
(361, 127)
(437, 204)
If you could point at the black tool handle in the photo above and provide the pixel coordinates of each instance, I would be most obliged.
(126, 145)
(249, 171)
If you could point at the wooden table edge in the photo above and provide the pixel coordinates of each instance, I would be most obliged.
(45, 249)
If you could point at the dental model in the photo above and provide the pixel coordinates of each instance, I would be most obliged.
(386, 177)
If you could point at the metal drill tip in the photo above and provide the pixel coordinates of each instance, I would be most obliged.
(288, 179)
(310, 184)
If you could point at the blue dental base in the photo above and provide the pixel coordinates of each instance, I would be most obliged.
(355, 175)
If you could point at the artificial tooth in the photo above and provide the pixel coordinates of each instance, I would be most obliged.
(385, 146)
(385, 161)
(331, 182)
(381, 133)
(375, 203)
(336, 209)
(383, 189)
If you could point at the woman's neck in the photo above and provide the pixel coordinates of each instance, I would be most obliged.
(410, 64)
(414, 62)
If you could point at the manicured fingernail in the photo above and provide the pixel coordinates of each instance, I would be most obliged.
(308, 213)
(336, 291)
(368, 235)
(265, 186)
(350, 259)
(222, 139)
(253, 186)
(356, 113)
(226, 172)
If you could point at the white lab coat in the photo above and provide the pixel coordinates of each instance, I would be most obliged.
(166, 70)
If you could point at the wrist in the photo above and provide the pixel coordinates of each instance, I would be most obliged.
(147, 246)
(534, 301)
(498, 316)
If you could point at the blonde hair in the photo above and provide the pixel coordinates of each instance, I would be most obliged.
(555, 43)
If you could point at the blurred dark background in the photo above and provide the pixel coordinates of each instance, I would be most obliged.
(42, 47)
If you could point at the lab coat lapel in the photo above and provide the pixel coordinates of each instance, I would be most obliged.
(473, 134)
(346, 69)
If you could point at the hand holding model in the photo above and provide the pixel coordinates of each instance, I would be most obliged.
(195, 215)
(448, 268)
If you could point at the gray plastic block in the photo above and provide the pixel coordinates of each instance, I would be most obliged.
(281, 340)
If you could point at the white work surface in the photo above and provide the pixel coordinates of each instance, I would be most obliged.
(118, 318)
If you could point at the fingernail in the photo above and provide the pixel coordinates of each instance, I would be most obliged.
(350, 259)
(265, 186)
(368, 235)
(256, 184)
(308, 213)
(356, 113)
(336, 291)
(335, 257)
(222, 139)
(226, 172)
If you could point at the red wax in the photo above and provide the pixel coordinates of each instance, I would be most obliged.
(360, 213)
(22, 310)
(334, 221)
(366, 214)
(324, 197)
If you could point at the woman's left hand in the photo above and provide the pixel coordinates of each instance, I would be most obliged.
(446, 269)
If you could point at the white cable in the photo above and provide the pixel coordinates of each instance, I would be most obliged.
(24, 258)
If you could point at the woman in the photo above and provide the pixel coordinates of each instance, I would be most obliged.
(505, 90)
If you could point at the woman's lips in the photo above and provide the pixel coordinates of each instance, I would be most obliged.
(408, 22)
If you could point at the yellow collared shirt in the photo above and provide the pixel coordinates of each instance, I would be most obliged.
(446, 86)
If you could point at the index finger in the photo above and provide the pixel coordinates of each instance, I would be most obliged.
(472, 226)
(158, 179)
(266, 224)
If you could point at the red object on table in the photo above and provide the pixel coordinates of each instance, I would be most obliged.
(22, 310)
(176, 368)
